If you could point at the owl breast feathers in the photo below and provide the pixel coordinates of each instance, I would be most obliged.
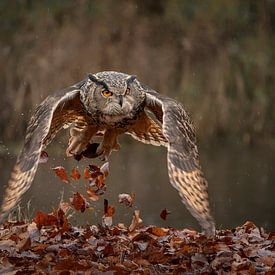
(115, 103)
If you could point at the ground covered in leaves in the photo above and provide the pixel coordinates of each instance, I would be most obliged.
(62, 249)
(51, 245)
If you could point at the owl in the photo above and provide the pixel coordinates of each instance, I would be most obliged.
(111, 104)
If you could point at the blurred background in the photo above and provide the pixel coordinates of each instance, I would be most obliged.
(216, 57)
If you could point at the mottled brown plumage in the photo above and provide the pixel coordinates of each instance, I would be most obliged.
(112, 104)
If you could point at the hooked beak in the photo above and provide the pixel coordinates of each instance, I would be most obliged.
(120, 100)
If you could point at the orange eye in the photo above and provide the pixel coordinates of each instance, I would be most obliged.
(106, 93)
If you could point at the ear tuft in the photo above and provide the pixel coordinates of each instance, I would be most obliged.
(130, 79)
(93, 78)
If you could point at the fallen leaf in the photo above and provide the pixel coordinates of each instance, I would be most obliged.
(61, 173)
(75, 174)
(164, 213)
(78, 202)
(40, 247)
(158, 231)
(43, 219)
(24, 244)
(126, 199)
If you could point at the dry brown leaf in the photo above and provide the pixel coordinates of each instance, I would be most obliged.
(105, 169)
(25, 244)
(109, 210)
(44, 219)
(75, 175)
(158, 231)
(86, 173)
(40, 247)
(126, 199)
(164, 213)
(78, 202)
(136, 221)
(61, 173)
(92, 195)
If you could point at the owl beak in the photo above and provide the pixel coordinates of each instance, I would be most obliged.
(120, 100)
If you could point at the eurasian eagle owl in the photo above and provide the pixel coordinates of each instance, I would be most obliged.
(115, 103)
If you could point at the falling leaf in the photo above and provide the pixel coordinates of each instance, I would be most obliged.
(92, 195)
(100, 181)
(136, 221)
(44, 157)
(126, 199)
(86, 173)
(94, 168)
(105, 169)
(164, 213)
(78, 202)
(109, 210)
(61, 173)
(75, 174)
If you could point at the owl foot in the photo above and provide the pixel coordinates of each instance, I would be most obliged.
(79, 140)
(89, 152)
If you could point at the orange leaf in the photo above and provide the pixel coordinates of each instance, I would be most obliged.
(109, 210)
(78, 202)
(75, 174)
(43, 219)
(92, 195)
(100, 181)
(158, 231)
(86, 173)
(61, 173)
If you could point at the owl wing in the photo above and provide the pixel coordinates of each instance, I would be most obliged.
(148, 131)
(51, 115)
(183, 164)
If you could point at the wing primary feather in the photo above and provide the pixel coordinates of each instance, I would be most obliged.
(49, 117)
(182, 157)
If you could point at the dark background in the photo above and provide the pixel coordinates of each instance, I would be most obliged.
(216, 57)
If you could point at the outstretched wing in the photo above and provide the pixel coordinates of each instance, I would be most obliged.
(51, 115)
(183, 164)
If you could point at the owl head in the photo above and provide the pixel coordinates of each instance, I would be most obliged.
(112, 96)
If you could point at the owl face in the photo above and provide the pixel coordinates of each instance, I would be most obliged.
(113, 96)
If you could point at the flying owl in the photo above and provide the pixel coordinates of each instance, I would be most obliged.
(113, 103)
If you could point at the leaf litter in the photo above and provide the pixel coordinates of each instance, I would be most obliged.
(51, 245)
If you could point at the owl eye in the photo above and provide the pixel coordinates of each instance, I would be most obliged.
(106, 93)
(127, 91)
